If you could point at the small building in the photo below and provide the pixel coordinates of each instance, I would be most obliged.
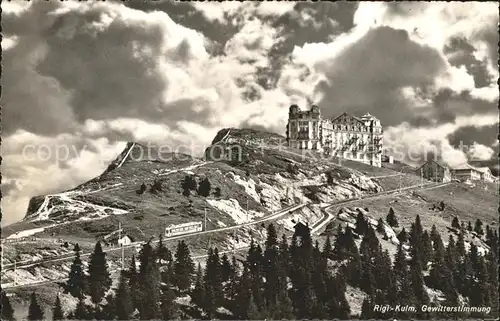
(467, 172)
(387, 159)
(486, 174)
(434, 171)
(124, 240)
(115, 239)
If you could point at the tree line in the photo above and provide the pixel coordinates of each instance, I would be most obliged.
(285, 279)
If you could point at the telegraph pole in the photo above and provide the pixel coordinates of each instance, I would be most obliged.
(121, 244)
(15, 277)
(421, 177)
(247, 210)
(205, 219)
(2, 253)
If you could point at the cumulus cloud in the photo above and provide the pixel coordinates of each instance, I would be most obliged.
(43, 164)
(479, 152)
(416, 145)
(83, 72)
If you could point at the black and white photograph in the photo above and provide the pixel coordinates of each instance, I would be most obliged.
(249, 160)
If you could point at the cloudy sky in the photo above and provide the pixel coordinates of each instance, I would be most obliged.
(81, 79)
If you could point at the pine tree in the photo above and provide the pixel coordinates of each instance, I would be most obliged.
(255, 262)
(7, 312)
(218, 192)
(231, 286)
(133, 283)
(284, 254)
(189, 183)
(284, 308)
(405, 294)
(99, 279)
(302, 264)
(252, 310)
(353, 267)
(327, 248)
(361, 224)
(469, 227)
(403, 236)
(76, 282)
(461, 245)
(271, 266)
(440, 275)
(370, 251)
(391, 293)
(417, 282)
(366, 309)
(380, 300)
(169, 308)
(272, 237)
(319, 284)
(339, 246)
(427, 252)
(455, 223)
(183, 266)
(213, 292)
(165, 256)
(437, 242)
(198, 293)
(226, 268)
(368, 282)
(490, 237)
(337, 305)
(161, 249)
(400, 263)
(416, 234)
(391, 219)
(464, 275)
(474, 257)
(492, 267)
(124, 306)
(380, 226)
(81, 311)
(383, 267)
(149, 282)
(35, 311)
(240, 304)
(57, 313)
(480, 290)
(451, 255)
(478, 227)
(329, 178)
(204, 188)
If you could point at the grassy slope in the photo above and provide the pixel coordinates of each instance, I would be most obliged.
(467, 203)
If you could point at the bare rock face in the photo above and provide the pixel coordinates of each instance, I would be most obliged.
(364, 184)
